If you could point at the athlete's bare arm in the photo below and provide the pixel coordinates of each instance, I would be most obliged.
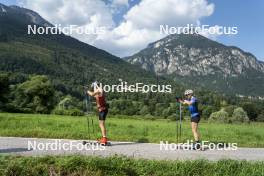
(95, 93)
(187, 102)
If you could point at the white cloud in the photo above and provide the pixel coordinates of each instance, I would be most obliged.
(141, 24)
(83, 13)
(152, 13)
(139, 27)
(126, 40)
(78, 12)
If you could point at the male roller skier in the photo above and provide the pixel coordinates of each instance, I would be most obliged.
(99, 95)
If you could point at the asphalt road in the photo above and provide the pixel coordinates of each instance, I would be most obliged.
(41, 147)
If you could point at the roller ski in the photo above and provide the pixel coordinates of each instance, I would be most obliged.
(101, 141)
(198, 146)
(104, 141)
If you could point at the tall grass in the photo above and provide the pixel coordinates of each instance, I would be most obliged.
(81, 165)
(138, 130)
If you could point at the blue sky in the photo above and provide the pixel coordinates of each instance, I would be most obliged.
(8, 2)
(246, 15)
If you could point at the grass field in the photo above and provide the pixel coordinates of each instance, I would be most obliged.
(81, 165)
(127, 129)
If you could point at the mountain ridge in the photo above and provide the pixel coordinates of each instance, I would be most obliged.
(35, 17)
(66, 60)
(193, 56)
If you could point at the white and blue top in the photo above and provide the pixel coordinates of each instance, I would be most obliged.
(193, 107)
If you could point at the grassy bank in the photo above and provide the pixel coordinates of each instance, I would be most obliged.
(81, 165)
(139, 130)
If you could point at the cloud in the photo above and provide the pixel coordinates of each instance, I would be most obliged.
(89, 14)
(142, 22)
(126, 40)
(78, 12)
(140, 25)
(151, 13)
(120, 2)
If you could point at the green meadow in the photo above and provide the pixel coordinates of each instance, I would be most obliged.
(125, 128)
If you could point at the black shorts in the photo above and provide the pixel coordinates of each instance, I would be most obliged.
(195, 119)
(103, 114)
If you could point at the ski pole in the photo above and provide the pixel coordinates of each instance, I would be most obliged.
(180, 121)
(90, 109)
(86, 114)
(177, 129)
(177, 121)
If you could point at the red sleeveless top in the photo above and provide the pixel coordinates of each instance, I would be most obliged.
(101, 103)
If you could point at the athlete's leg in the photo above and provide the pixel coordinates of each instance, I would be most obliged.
(102, 127)
(196, 134)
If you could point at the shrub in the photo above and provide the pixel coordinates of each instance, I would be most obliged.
(207, 111)
(166, 112)
(70, 112)
(220, 116)
(260, 117)
(144, 110)
(148, 116)
(172, 117)
(239, 115)
(230, 109)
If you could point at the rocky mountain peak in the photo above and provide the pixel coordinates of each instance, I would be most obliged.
(20, 11)
(199, 61)
(3, 8)
(184, 54)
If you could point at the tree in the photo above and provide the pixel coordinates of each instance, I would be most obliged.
(239, 115)
(251, 110)
(35, 95)
(4, 90)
